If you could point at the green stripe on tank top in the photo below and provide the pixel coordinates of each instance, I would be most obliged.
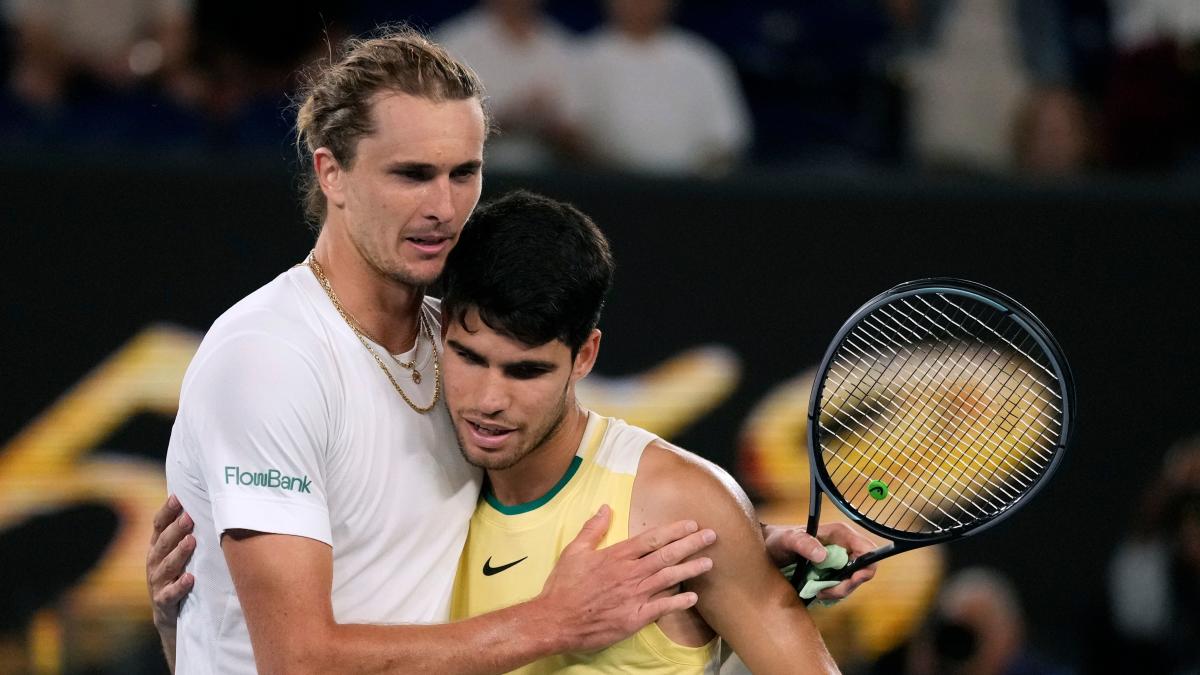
(540, 501)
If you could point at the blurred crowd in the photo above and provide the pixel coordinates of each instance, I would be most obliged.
(699, 87)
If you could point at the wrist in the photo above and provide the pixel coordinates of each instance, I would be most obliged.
(546, 625)
(165, 626)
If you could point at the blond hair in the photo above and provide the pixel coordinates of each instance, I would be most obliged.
(336, 97)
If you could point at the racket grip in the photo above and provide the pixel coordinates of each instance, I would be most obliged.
(812, 578)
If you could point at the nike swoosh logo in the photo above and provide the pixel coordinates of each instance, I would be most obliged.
(488, 570)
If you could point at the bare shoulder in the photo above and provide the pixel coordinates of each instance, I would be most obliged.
(674, 484)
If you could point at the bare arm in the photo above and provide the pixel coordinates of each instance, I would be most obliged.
(744, 598)
(592, 599)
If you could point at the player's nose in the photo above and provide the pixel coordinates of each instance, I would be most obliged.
(439, 201)
(493, 394)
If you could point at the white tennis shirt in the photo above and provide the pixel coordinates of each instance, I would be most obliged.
(287, 425)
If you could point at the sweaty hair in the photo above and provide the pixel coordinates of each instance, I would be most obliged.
(536, 270)
(336, 97)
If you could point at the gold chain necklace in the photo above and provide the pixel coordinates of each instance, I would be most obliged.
(422, 327)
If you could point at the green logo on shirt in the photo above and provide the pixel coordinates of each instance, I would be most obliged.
(271, 478)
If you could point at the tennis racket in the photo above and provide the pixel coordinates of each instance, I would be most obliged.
(940, 408)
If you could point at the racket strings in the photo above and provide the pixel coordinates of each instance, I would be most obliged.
(933, 438)
(1020, 349)
(939, 428)
(922, 458)
(887, 435)
(989, 385)
(942, 426)
(938, 399)
(935, 484)
(1010, 402)
(991, 388)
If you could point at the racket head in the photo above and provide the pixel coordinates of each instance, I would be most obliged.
(957, 425)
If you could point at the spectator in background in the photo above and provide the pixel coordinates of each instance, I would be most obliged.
(167, 74)
(1153, 101)
(245, 58)
(525, 61)
(60, 44)
(976, 68)
(977, 628)
(96, 73)
(1054, 134)
(1150, 620)
(654, 98)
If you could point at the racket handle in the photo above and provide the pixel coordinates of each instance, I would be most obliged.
(811, 578)
(824, 572)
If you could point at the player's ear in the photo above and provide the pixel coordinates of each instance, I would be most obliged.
(329, 174)
(586, 358)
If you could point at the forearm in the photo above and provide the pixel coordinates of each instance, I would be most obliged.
(757, 613)
(774, 635)
(592, 599)
(167, 637)
(492, 643)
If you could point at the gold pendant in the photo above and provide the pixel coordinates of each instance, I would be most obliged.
(416, 376)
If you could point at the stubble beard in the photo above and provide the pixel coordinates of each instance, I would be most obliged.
(521, 453)
(396, 272)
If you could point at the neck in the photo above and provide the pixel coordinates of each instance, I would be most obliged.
(384, 308)
(542, 468)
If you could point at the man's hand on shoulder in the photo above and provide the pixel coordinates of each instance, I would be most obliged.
(597, 597)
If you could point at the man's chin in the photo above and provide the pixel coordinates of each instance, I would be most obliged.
(484, 459)
(415, 279)
(420, 273)
(492, 460)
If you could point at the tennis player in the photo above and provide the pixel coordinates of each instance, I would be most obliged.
(311, 442)
(524, 290)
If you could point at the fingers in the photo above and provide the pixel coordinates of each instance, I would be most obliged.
(673, 554)
(168, 582)
(845, 536)
(166, 600)
(592, 532)
(839, 592)
(169, 540)
(165, 515)
(787, 543)
(601, 596)
(670, 577)
(804, 545)
(172, 566)
(844, 589)
(656, 539)
(174, 593)
(659, 607)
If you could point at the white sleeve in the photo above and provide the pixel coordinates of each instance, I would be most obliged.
(728, 127)
(257, 420)
(573, 80)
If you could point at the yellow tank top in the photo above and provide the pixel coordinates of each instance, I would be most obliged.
(511, 549)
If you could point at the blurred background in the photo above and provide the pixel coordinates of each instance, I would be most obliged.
(762, 169)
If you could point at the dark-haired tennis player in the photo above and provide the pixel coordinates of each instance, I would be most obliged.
(524, 290)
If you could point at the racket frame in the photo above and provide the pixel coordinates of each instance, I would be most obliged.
(900, 541)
